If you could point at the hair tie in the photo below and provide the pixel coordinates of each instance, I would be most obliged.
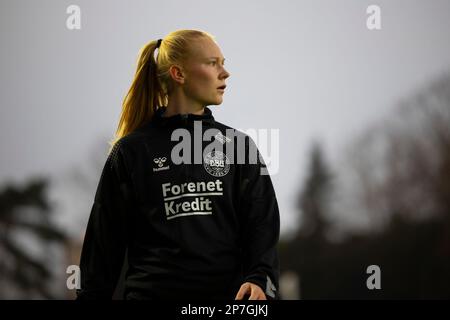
(159, 43)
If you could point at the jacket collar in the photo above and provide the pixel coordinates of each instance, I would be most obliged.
(178, 120)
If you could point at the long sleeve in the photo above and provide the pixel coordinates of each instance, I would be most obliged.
(261, 227)
(105, 240)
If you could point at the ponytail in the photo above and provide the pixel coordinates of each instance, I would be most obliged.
(144, 96)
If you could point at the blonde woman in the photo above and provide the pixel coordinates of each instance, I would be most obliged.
(190, 221)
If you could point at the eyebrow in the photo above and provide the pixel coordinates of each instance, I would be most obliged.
(216, 58)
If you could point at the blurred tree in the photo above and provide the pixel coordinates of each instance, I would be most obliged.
(397, 173)
(303, 255)
(403, 164)
(403, 170)
(23, 275)
(314, 197)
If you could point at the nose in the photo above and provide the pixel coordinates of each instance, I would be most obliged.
(225, 73)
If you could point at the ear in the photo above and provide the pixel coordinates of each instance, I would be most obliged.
(177, 73)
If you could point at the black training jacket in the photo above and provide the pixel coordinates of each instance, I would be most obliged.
(193, 229)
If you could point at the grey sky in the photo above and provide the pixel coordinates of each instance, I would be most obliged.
(310, 68)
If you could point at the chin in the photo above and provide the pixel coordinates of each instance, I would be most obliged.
(215, 103)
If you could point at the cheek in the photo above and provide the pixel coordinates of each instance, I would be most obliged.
(202, 78)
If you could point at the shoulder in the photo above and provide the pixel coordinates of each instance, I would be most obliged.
(131, 143)
(231, 132)
(125, 148)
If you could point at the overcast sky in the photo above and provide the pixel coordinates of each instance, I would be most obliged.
(311, 69)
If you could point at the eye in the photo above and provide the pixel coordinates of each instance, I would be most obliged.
(213, 62)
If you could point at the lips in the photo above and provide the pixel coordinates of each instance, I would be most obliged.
(222, 87)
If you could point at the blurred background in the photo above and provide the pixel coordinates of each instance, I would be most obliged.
(363, 114)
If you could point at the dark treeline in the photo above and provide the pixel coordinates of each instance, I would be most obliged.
(398, 177)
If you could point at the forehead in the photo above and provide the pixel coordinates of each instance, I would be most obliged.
(205, 48)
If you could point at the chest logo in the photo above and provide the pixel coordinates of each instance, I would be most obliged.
(216, 163)
(159, 162)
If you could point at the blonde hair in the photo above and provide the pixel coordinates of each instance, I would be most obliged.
(152, 83)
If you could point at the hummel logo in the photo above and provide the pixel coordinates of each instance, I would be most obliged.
(160, 162)
(223, 139)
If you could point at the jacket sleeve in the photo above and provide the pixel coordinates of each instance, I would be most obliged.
(261, 225)
(105, 240)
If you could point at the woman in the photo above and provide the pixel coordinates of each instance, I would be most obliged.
(190, 220)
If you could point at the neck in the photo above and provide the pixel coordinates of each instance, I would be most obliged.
(181, 105)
